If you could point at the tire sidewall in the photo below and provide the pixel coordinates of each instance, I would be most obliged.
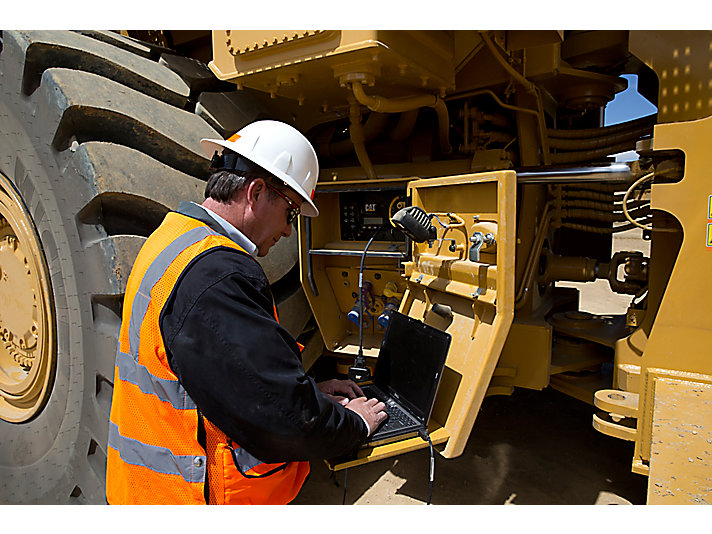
(42, 451)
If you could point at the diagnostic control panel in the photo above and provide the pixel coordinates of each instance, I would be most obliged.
(363, 213)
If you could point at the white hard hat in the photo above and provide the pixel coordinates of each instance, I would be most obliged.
(281, 150)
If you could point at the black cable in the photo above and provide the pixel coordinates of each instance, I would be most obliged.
(360, 360)
(424, 435)
(360, 288)
(361, 296)
(432, 470)
(346, 474)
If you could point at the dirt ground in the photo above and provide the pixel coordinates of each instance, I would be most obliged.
(531, 448)
(535, 448)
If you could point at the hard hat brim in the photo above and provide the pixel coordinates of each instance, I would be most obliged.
(209, 146)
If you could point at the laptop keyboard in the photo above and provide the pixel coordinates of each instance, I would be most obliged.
(397, 418)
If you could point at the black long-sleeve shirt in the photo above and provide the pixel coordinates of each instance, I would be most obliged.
(242, 369)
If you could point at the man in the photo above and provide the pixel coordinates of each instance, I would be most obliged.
(211, 403)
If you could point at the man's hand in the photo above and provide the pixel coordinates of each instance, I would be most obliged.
(340, 390)
(372, 410)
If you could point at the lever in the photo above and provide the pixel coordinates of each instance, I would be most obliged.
(478, 241)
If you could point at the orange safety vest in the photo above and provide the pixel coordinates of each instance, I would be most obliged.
(154, 455)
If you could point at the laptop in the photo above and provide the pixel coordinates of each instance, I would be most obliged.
(406, 378)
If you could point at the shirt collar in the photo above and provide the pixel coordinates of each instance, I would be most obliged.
(232, 232)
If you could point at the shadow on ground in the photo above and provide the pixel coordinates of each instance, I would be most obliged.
(535, 447)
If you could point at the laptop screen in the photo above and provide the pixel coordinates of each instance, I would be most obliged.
(410, 362)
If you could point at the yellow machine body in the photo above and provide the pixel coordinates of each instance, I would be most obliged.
(512, 325)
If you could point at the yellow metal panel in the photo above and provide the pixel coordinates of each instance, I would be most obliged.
(681, 334)
(437, 435)
(480, 293)
(652, 377)
(315, 64)
(528, 352)
(681, 58)
(681, 460)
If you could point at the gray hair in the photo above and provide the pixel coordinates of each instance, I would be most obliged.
(224, 185)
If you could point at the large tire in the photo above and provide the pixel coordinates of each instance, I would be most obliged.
(95, 145)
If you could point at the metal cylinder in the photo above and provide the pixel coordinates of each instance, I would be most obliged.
(613, 173)
(568, 268)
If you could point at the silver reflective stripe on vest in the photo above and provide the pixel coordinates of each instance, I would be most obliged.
(158, 459)
(245, 460)
(153, 274)
(165, 389)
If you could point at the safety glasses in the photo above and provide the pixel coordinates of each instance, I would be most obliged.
(293, 212)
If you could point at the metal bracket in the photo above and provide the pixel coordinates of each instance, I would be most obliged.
(478, 241)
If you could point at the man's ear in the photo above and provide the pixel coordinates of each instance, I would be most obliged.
(255, 188)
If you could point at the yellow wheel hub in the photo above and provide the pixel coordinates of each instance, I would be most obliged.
(27, 344)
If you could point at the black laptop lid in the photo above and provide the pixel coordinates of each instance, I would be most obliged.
(410, 363)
